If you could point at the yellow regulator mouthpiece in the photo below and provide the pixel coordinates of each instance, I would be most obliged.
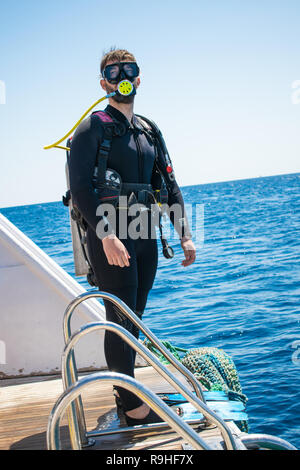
(125, 88)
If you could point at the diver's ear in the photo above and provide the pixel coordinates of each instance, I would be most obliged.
(103, 84)
(138, 82)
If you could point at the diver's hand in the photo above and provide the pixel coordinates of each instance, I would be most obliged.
(189, 251)
(115, 251)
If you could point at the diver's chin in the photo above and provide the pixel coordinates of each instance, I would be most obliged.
(123, 99)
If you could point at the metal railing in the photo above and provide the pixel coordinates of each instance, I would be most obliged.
(77, 407)
(70, 400)
(138, 323)
(69, 374)
(265, 441)
(155, 403)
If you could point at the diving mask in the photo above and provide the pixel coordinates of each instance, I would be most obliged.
(118, 71)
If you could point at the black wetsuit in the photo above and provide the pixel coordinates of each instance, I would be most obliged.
(132, 156)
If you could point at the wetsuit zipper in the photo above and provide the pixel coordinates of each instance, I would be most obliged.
(140, 156)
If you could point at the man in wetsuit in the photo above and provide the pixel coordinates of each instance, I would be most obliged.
(124, 267)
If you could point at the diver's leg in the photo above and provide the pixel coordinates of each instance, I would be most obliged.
(141, 300)
(142, 270)
(121, 282)
(146, 252)
(119, 355)
(147, 260)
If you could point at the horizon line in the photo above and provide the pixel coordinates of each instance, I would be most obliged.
(185, 186)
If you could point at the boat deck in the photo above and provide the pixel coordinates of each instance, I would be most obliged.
(26, 403)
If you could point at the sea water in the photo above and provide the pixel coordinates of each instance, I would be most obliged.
(241, 294)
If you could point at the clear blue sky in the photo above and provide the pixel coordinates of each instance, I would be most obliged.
(216, 76)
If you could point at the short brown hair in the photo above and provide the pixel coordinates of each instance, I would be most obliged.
(116, 55)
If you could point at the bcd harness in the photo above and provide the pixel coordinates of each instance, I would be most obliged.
(109, 185)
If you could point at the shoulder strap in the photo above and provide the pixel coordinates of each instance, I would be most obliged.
(103, 116)
(149, 124)
(111, 128)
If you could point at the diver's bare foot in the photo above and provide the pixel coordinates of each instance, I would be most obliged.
(139, 413)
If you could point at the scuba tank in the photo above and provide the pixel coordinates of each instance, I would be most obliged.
(78, 229)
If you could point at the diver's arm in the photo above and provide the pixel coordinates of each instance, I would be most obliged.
(84, 148)
(178, 218)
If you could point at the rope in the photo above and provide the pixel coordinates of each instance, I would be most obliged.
(173, 349)
(212, 367)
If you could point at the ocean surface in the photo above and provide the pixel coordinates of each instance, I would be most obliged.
(241, 294)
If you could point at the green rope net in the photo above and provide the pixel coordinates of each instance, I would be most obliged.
(212, 367)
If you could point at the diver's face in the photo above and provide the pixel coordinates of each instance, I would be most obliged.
(110, 87)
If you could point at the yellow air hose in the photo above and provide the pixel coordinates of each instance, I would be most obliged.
(125, 88)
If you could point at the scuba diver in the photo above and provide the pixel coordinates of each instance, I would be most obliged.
(127, 145)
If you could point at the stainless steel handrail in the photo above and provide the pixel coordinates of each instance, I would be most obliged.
(77, 406)
(153, 361)
(64, 401)
(266, 441)
(138, 323)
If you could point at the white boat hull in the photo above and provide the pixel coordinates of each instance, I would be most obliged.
(34, 293)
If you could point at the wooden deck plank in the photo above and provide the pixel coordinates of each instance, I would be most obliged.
(25, 408)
